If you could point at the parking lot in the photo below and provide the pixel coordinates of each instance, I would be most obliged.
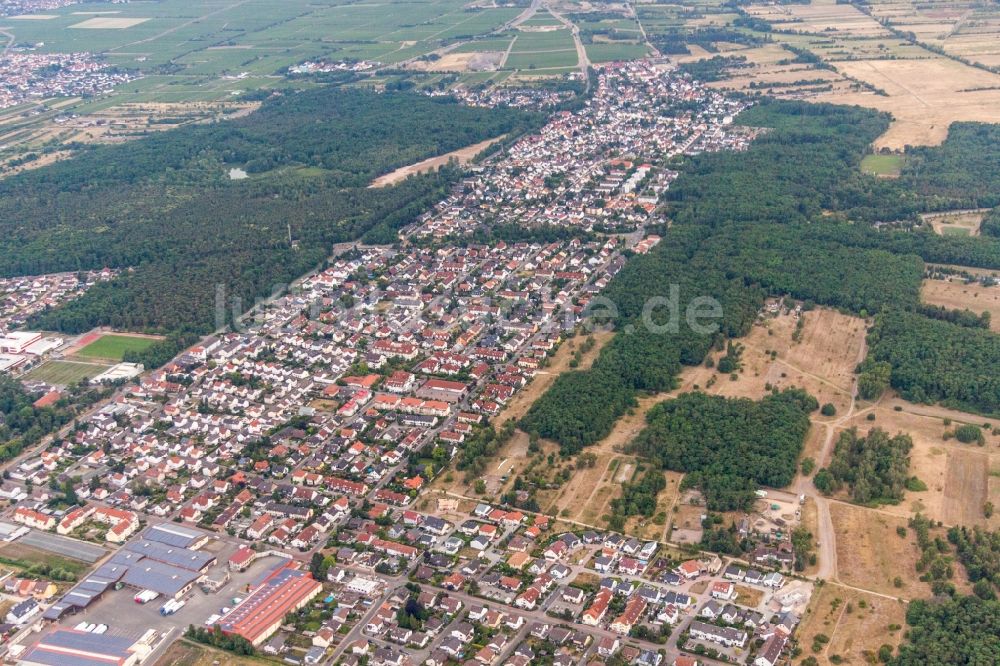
(123, 616)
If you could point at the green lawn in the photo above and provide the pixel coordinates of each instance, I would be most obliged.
(64, 373)
(882, 165)
(113, 347)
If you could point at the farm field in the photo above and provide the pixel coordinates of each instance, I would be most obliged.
(114, 346)
(600, 52)
(924, 96)
(927, 67)
(851, 634)
(966, 30)
(190, 51)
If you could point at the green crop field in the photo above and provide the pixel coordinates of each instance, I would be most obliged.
(542, 59)
(610, 52)
(64, 373)
(113, 347)
(204, 50)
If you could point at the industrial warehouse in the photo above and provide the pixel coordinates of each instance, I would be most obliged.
(261, 614)
(154, 562)
(69, 647)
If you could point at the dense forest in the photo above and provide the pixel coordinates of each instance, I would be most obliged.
(938, 361)
(165, 206)
(728, 446)
(874, 468)
(944, 632)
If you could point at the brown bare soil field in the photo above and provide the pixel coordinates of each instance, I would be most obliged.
(924, 96)
(853, 634)
(463, 155)
(870, 554)
(955, 293)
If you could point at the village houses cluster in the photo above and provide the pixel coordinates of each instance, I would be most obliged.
(27, 75)
(603, 167)
(284, 467)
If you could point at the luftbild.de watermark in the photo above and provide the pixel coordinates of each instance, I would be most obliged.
(660, 314)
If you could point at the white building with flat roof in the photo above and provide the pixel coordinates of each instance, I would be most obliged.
(16, 342)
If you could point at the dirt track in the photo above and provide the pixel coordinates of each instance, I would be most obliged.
(462, 155)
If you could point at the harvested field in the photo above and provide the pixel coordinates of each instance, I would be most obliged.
(462, 155)
(924, 96)
(956, 294)
(853, 634)
(870, 554)
(827, 18)
(966, 487)
(108, 23)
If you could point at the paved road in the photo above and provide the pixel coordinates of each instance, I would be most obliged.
(582, 60)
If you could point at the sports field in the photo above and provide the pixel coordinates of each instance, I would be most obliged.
(64, 373)
(113, 347)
